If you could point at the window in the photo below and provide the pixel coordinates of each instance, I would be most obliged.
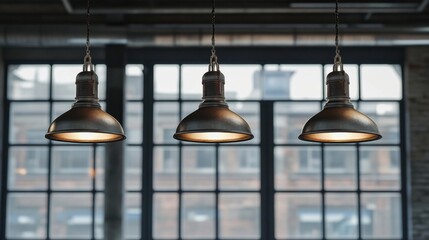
(67, 176)
(272, 187)
(195, 201)
(309, 160)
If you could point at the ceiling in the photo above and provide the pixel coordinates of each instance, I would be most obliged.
(49, 21)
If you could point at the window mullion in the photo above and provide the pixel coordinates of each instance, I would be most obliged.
(267, 170)
(147, 175)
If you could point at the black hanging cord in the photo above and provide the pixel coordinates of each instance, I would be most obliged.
(337, 58)
(87, 28)
(87, 57)
(213, 28)
(337, 51)
(213, 58)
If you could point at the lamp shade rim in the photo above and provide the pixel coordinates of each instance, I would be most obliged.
(54, 135)
(241, 136)
(371, 136)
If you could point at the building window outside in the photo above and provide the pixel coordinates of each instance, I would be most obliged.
(208, 191)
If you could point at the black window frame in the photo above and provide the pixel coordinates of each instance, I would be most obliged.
(197, 55)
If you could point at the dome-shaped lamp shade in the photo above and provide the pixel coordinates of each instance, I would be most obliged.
(339, 122)
(213, 122)
(340, 125)
(85, 122)
(85, 125)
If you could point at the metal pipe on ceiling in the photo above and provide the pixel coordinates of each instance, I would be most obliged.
(297, 7)
(66, 36)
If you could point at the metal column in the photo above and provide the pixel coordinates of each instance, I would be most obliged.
(114, 166)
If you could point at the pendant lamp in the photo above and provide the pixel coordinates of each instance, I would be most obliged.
(85, 122)
(339, 122)
(213, 121)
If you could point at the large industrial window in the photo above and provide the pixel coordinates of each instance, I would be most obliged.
(272, 187)
(54, 189)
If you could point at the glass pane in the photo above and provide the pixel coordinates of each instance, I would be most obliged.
(28, 122)
(72, 167)
(165, 213)
(380, 168)
(28, 168)
(134, 81)
(26, 215)
(297, 168)
(133, 168)
(134, 122)
(64, 81)
(239, 215)
(298, 215)
(165, 121)
(340, 168)
(166, 168)
(352, 71)
(133, 215)
(289, 119)
(381, 76)
(59, 108)
(99, 216)
(239, 168)
(341, 217)
(386, 116)
(28, 81)
(381, 215)
(166, 81)
(294, 82)
(101, 71)
(99, 170)
(192, 87)
(198, 168)
(242, 81)
(198, 215)
(250, 113)
(71, 215)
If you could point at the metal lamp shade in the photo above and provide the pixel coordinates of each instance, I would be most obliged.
(339, 122)
(85, 125)
(213, 124)
(213, 121)
(85, 122)
(340, 125)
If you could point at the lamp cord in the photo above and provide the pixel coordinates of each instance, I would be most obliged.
(213, 27)
(87, 60)
(213, 58)
(337, 58)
